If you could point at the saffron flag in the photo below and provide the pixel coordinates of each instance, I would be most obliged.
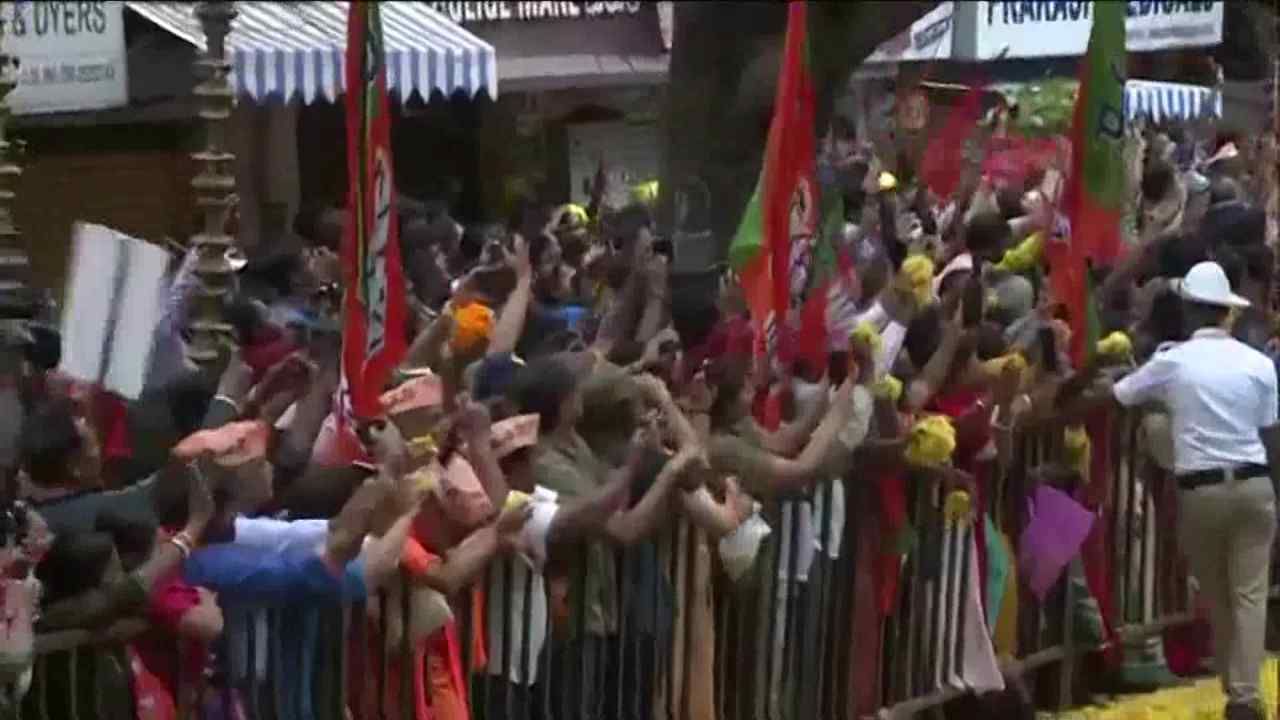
(943, 163)
(783, 210)
(1094, 197)
(373, 330)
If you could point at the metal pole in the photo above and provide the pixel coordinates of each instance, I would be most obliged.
(214, 184)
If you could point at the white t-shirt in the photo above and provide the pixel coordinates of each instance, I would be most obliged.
(525, 577)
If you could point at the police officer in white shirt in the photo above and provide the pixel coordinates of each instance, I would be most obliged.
(1219, 392)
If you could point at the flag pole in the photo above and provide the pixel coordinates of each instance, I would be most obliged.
(214, 184)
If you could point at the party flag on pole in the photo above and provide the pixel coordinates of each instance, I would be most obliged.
(373, 332)
(1095, 193)
(784, 207)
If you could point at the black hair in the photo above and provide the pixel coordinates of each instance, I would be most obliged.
(1199, 315)
(1009, 200)
(625, 224)
(541, 387)
(727, 376)
(1259, 262)
(1166, 323)
(1233, 265)
(134, 536)
(626, 351)
(923, 335)
(75, 564)
(244, 316)
(169, 495)
(539, 242)
(49, 441)
(694, 310)
(986, 234)
(1223, 189)
(1157, 181)
(189, 400)
(322, 492)
(44, 352)
(471, 245)
(991, 341)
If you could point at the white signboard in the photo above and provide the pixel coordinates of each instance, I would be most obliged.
(928, 38)
(1054, 28)
(71, 55)
(112, 308)
(471, 12)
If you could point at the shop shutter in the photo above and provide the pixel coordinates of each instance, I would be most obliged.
(145, 194)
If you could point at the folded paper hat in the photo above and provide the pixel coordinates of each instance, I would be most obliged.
(231, 445)
(424, 391)
(514, 433)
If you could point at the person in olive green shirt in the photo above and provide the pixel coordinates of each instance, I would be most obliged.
(564, 462)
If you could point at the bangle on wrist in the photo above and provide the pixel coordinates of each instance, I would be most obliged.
(182, 541)
(228, 400)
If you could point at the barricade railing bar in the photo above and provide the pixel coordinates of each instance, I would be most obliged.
(846, 613)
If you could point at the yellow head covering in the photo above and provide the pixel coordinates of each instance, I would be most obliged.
(1025, 257)
(996, 366)
(1077, 449)
(1116, 345)
(889, 387)
(916, 275)
(574, 214)
(867, 333)
(957, 506)
(932, 441)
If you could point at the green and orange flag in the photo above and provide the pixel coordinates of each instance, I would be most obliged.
(1094, 197)
(373, 308)
(784, 205)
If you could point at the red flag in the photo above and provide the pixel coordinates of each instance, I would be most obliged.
(943, 161)
(373, 340)
(784, 206)
(1094, 197)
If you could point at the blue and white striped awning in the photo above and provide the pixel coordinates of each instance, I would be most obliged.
(1170, 101)
(288, 50)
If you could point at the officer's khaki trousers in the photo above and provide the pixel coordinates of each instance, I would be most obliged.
(1226, 531)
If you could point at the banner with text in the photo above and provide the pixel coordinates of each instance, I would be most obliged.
(71, 55)
(1054, 28)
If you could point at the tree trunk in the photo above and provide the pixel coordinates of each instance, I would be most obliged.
(724, 69)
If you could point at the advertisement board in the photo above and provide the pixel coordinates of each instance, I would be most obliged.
(1055, 28)
(71, 55)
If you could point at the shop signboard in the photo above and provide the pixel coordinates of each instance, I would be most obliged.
(515, 11)
(1056, 28)
(71, 55)
(928, 38)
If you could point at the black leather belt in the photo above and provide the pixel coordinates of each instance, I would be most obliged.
(1201, 478)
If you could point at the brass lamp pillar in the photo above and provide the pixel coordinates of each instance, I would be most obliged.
(17, 299)
(214, 185)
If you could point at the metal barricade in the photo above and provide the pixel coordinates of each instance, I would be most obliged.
(819, 628)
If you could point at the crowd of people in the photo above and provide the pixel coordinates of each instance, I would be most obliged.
(566, 395)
